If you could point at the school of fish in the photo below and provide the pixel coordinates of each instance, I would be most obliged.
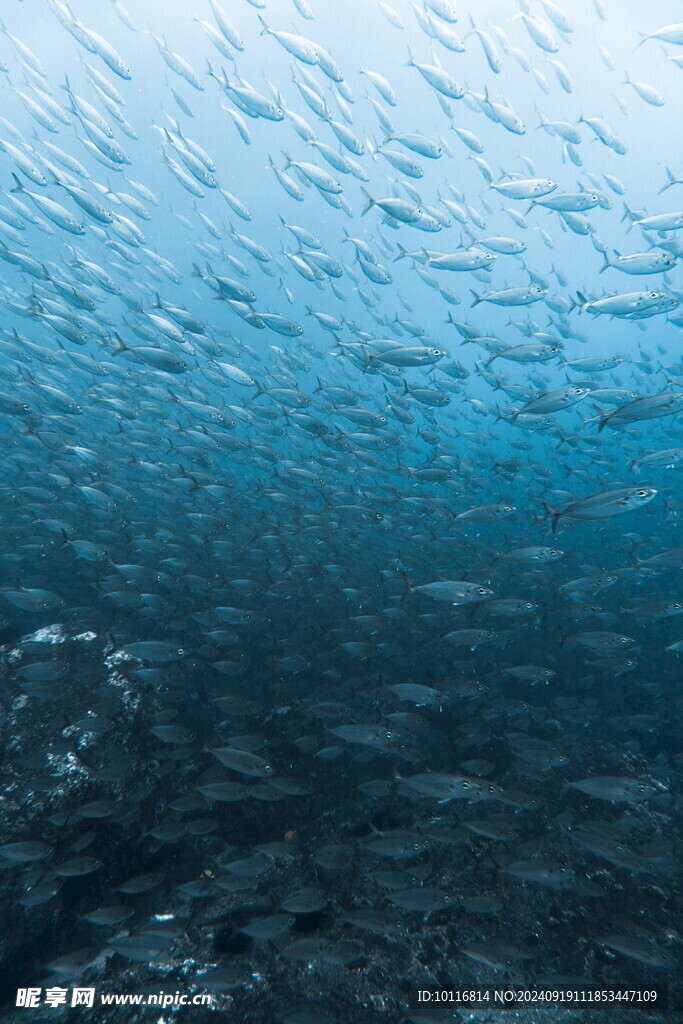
(340, 404)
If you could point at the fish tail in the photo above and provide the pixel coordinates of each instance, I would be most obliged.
(477, 300)
(409, 587)
(633, 553)
(627, 213)
(670, 180)
(603, 418)
(264, 30)
(370, 202)
(368, 359)
(122, 345)
(18, 187)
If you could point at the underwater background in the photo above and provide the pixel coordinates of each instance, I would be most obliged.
(340, 397)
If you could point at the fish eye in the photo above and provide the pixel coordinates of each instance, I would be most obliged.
(378, 516)
(466, 785)
(416, 846)
(642, 788)
(180, 651)
(642, 494)
(447, 899)
(268, 768)
(492, 789)
(482, 591)
(624, 640)
(26, 408)
(388, 735)
(549, 182)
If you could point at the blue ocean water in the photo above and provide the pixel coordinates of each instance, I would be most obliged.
(339, 402)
